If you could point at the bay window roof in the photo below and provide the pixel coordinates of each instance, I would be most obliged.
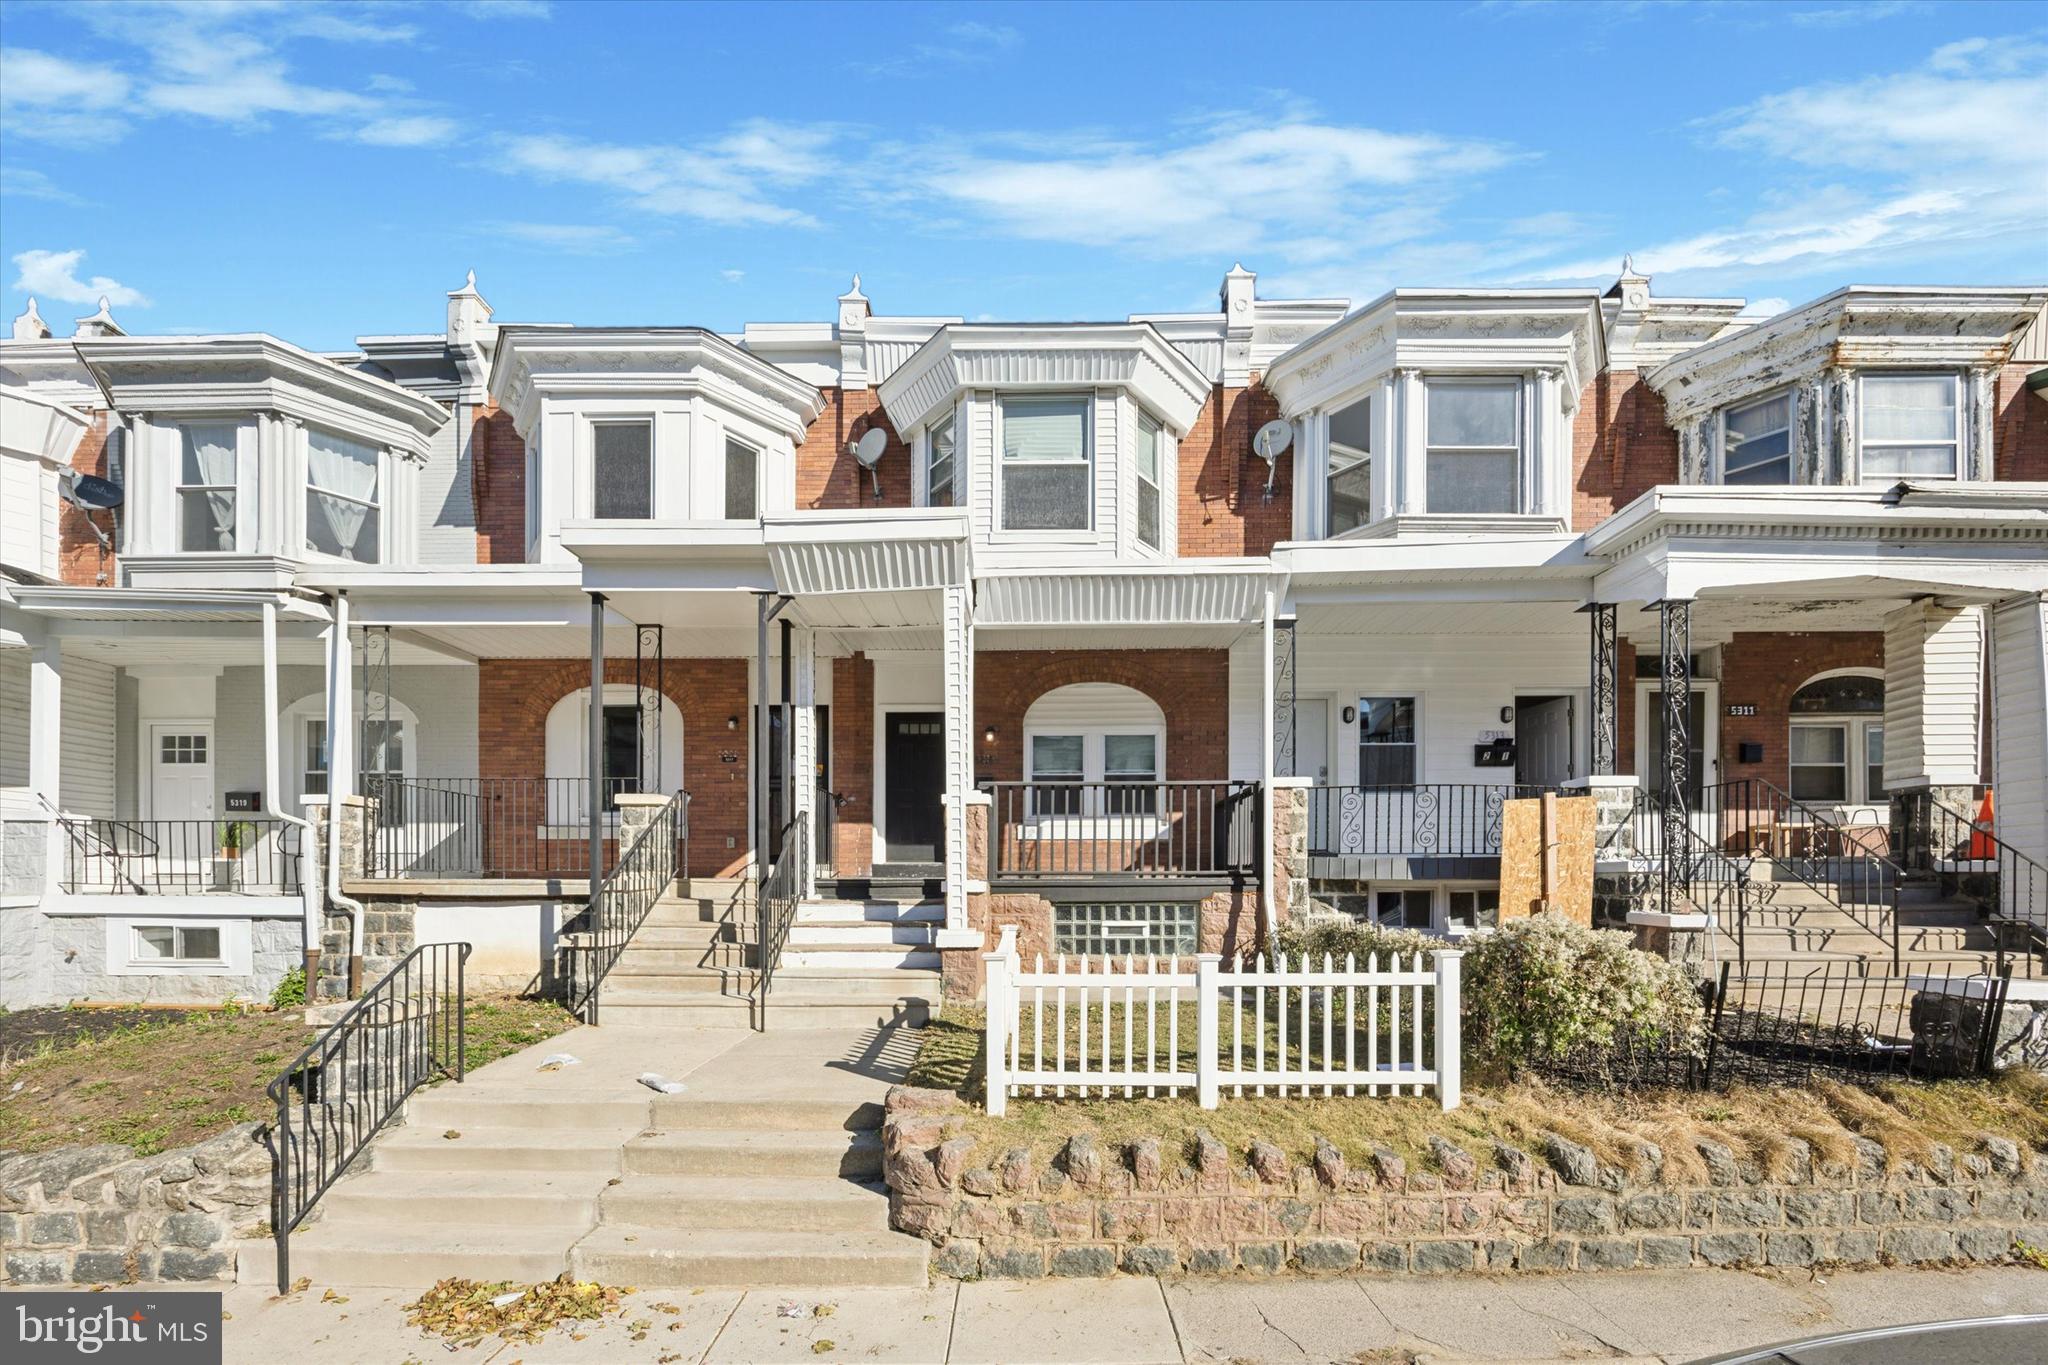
(1047, 358)
(176, 377)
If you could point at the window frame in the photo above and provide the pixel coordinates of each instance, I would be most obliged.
(646, 422)
(1094, 772)
(233, 489)
(1840, 725)
(380, 460)
(733, 444)
(1864, 443)
(176, 958)
(950, 424)
(1159, 917)
(1365, 459)
(1414, 745)
(1721, 447)
(1156, 485)
(1003, 464)
(1518, 498)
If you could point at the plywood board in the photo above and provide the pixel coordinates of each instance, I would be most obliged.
(1521, 859)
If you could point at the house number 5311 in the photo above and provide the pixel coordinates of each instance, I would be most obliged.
(1742, 710)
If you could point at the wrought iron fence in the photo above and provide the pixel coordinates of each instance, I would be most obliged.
(1971, 861)
(1135, 831)
(1427, 820)
(431, 827)
(642, 876)
(346, 1085)
(180, 857)
(781, 893)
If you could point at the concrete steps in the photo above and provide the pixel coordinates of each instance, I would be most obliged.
(393, 1255)
(755, 1152)
(481, 1199)
(551, 1150)
(675, 1258)
(720, 1201)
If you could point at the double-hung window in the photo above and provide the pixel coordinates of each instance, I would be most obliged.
(1148, 481)
(1386, 741)
(1130, 768)
(342, 509)
(206, 488)
(1350, 468)
(1909, 426)
(1474, 460)
(1046, 475)
(1756, 441)
(1057, 770)
(742, 481)
(622, 471)
(939, 465)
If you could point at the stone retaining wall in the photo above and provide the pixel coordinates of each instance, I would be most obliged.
(1147, 1209)
(102, 1215)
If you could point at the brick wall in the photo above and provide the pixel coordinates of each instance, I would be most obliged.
(2020, 441)
(1224, 510)
(1192, 686)
(1621, 447)
(1764, 670)
(78, 549)
(497, 482)
(514, 697)
(828, 477)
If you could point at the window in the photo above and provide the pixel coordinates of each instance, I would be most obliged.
(177, 943)
(1845, 692)
(313, 758)
(939, 465)
(1473, 908)
(742, 482)
(1140, 928)
(1475, 448)
(341, 497)
(622, 471)
(1131, 760)
(1045, 464)
(1148, 480)
(1056, 759)
(206, 489)
(1909, 426)
(1873, 762)
(1756, 441)
(1350, 468)
(182, 749)
(1407, 908)
(1820, 763)
(621, 751)
(1386, 741)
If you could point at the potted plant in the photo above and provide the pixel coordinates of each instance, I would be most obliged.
(235, 835)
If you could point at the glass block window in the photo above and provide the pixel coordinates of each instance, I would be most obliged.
(1045, 471)
(1137, 928)
(622, 471)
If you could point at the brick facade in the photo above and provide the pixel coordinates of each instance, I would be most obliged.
(1224, 510)
(497, 485)
(827, 475)
(2020, 440)
(79, 564)
(1621, 447)
(1192, 686)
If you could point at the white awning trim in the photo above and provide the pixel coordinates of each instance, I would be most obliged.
(1131, 356)
(158, 604)
(912, 550)
(1129, 597)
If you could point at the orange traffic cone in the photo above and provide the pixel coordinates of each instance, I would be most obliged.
(1981, 849)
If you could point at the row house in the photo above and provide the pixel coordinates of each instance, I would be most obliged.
(1139, 635)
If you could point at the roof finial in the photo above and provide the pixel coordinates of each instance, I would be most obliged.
(101, 324)
(469, 281)
(30, 325)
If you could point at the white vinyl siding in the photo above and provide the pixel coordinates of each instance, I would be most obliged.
(447, 511)
(1933, 685)
(85, 767)
(28, 515)
(2019, 681)
(14, 670)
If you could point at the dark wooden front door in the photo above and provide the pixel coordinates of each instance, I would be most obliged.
(914, 751)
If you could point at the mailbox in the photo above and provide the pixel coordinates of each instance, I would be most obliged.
(1747, 752)
(245, 801)
(1498, 754)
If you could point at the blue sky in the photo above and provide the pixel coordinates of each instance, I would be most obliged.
(328, 170)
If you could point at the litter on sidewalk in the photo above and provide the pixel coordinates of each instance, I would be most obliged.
(661, 1083)
(555, 1061)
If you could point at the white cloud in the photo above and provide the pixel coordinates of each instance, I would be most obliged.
(54, 99)
(741, 179)
(732, 276)
(505, 9)
(23, 183)
(576, 239)
(417, 130)
(54, 275)
(1764, 308)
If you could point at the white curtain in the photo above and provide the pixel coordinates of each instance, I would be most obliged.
(210, 463)
(347, 470)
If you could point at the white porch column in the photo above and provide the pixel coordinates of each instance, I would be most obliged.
(1410, 448)
(1933, 707)
(1267, 759)
(958, 684)
(1311, 481)
(46, 720)
(2019, 705)
(802, 778)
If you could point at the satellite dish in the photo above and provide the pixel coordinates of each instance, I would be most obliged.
(868, 450)
(1269, 443)
(92, 494)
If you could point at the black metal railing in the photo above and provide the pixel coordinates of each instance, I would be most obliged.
(440, 827)
(1134, 831)
(1972, 862)
(180, 857)
(1426, 820)
(643, 875)
(781, 893)
(346, 1085)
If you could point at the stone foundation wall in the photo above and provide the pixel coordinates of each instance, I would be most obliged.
(1148, 1209)
(102, 1215)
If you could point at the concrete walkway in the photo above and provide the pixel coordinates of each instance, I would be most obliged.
(1674, 1315)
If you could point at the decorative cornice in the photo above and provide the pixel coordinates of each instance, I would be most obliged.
(178, 377)
(1131, 356)
(531, 362)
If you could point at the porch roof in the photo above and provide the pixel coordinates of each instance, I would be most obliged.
(1131, 598)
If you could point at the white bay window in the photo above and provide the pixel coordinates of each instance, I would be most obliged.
(622, 471)
(1149, 515)
(206, 487)
(343, 510)
(1047, 476)
(1909, 428)
(940, 464)
(1474, 452)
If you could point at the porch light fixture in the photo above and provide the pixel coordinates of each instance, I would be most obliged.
(1507, 715)
(988, 734)
(1350, 715)
(732, 722)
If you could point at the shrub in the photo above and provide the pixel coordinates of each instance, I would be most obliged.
(291, 989)
(1336, 936)
(1543, 987)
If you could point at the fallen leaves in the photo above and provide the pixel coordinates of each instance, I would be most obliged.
(467, 1311)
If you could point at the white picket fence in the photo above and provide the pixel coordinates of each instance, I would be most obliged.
(1335, 1027)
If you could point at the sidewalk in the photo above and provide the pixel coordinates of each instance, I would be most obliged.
(1672, 1315)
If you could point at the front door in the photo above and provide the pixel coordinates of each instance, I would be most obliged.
(1543, 741)
(180, 772)
(1312, 761)
(914, 758)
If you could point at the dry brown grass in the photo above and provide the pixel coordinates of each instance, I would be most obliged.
(1759, 1124)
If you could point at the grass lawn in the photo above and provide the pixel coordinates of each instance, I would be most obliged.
(164, 1083)
(1908, 1118)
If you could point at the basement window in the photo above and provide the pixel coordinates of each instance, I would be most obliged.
(1126, 928)
(183, 943)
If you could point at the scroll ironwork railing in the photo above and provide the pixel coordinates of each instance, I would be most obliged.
(644, 873)
(1425, 820)
(347, 1084)
(1974, 863)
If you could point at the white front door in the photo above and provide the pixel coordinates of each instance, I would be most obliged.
(180, 771)
(1312, 761)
